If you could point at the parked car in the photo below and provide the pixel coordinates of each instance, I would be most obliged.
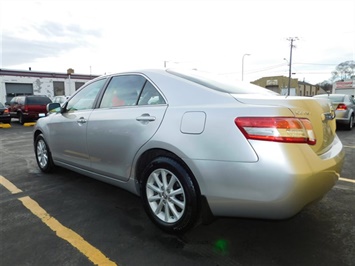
(344, 106)
(28, 107)
(193, 146)
(4, 114)
(60, 99)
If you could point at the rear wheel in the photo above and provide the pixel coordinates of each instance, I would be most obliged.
(351, 123)
(169, 195)
(43, 154)
(21, 118)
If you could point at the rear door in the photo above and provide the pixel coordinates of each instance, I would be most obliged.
(129, 114)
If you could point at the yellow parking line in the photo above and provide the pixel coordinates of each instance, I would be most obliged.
(92, 253)
(10, 187)
(347, 180)
(29, 124)
(67, 234)
(5, 125)
(351, 147)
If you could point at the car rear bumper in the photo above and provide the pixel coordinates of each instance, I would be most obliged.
(5, 118)
(278, 186)
(342, 116)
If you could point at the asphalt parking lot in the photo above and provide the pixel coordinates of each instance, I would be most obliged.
(69, 219)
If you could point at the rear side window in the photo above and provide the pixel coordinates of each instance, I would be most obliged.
(38, 100)
(123, 90)
(150, 95)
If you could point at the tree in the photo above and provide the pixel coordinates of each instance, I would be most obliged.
(344, 71)
(326, 86)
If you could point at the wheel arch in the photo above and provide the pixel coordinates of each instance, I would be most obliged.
(150, 155)
(205, 214)
(35, 135)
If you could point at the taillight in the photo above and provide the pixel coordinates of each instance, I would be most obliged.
(342, 107)
(6, 111)
(280, 129)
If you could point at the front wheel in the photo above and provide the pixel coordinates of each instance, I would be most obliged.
(43, 155)
(169, 195)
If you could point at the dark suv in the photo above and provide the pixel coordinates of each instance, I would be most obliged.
(28, 107)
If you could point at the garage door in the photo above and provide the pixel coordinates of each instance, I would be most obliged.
(15, 89)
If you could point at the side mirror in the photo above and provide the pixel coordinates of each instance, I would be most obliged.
(53, 107)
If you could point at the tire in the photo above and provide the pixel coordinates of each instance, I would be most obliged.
(169, 195)
(21, 119)
(43, 155)
(351, 123)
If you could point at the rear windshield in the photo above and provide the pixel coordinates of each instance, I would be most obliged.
(332, 98)
(38, 100)
(217, 83)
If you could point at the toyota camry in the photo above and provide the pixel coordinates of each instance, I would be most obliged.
(193, 146)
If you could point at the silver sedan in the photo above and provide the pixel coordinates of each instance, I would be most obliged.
(193, 146)
(344, 106)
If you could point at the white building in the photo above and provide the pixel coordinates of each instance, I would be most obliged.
(344, 87)
(17, 82)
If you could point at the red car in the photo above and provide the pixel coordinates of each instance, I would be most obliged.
(28, 107)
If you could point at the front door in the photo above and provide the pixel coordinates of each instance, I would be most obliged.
(68, 129)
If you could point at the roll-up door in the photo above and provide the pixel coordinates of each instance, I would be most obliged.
(15, 89)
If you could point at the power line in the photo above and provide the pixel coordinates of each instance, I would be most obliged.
(315, 64)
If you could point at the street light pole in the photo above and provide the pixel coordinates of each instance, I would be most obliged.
(243, 66)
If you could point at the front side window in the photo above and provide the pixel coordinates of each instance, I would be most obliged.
(85, 98)
(122, 91)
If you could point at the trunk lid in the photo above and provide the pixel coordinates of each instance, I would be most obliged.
(319, 111)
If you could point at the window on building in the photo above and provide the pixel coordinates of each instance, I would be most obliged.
(58, 88)
(78, 85)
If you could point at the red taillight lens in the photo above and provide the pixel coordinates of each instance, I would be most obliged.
(342, 107)
(6, 111)
(280, 129)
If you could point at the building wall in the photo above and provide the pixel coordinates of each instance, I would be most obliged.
(42, 82)
(344, 87)
(306, 89)
(276, 83)
(279, 84)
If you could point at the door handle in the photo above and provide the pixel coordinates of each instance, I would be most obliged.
(146, 118)
(81, 120)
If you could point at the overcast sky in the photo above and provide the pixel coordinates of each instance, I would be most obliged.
(101, 37)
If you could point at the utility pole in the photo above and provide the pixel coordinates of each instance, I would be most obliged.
(291, 39)
(243, 66)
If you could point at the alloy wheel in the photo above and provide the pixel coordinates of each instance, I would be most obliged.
(165, 195)
(42, 153)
